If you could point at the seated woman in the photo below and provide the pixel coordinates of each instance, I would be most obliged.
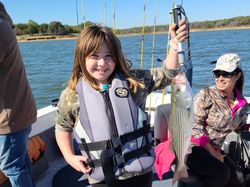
(215, 108)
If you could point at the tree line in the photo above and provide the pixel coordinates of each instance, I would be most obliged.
(241, 21)
(57, 28)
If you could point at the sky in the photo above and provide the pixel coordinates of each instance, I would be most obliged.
(128, 13)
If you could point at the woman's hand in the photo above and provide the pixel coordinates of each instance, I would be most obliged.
(78, 162)
(217, 155)
(214, 153)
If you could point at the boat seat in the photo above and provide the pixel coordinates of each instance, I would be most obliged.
(40, 166)
(162, 113)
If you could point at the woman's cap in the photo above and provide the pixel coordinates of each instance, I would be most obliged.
(228, 62)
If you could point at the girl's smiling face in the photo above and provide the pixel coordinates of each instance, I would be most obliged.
(100, 65)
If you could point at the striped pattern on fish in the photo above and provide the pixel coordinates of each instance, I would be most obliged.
(181, 122)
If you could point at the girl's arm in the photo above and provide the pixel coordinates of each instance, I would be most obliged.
(64, 141)
(180, 35)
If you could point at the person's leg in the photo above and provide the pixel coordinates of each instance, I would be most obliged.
(161, 123)
(211, 171)
(14, 159)
(237, 177)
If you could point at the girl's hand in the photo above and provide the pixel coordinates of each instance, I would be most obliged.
(181, 34)
(176, 36)
(78, 163)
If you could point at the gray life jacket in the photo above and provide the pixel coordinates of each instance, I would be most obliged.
(113, 131)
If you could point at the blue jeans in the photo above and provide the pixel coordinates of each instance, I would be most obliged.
(14, 158)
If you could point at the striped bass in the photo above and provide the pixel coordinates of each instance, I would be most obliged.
(180, 123)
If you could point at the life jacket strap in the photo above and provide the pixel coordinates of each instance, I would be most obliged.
(119, 160)
(114, 146)
(115, 142)
(85, 147)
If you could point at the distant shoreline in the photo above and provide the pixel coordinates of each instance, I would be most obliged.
(25, 38)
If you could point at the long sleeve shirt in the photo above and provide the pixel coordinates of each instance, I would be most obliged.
(68, 106)
(214, 119)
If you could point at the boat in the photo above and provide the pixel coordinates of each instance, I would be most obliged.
(51, 166)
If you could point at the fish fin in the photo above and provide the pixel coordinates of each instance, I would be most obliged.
(179, 174)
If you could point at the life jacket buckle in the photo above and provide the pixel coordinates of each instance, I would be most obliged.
(89, 163)
(115, 142)
(118, 160)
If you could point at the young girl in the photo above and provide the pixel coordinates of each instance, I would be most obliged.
(104, 105)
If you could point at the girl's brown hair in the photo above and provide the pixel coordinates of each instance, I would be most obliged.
(88, 43)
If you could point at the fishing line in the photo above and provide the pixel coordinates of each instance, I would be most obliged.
(114, 17)
(104, 12)
(142, 32)
(153, 48)
(77, 22)
(154, 33)
(83, 14)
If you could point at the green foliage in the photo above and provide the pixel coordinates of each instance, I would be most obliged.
(43, 28)
(20, 29)
(32, 27)
(69, 29)
(57, 28)
(224, 23)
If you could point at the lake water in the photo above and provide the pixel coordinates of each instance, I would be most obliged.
(49, 63)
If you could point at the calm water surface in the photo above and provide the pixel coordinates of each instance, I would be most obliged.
(49, 63)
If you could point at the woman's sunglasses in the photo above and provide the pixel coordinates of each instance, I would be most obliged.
(224, 74)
